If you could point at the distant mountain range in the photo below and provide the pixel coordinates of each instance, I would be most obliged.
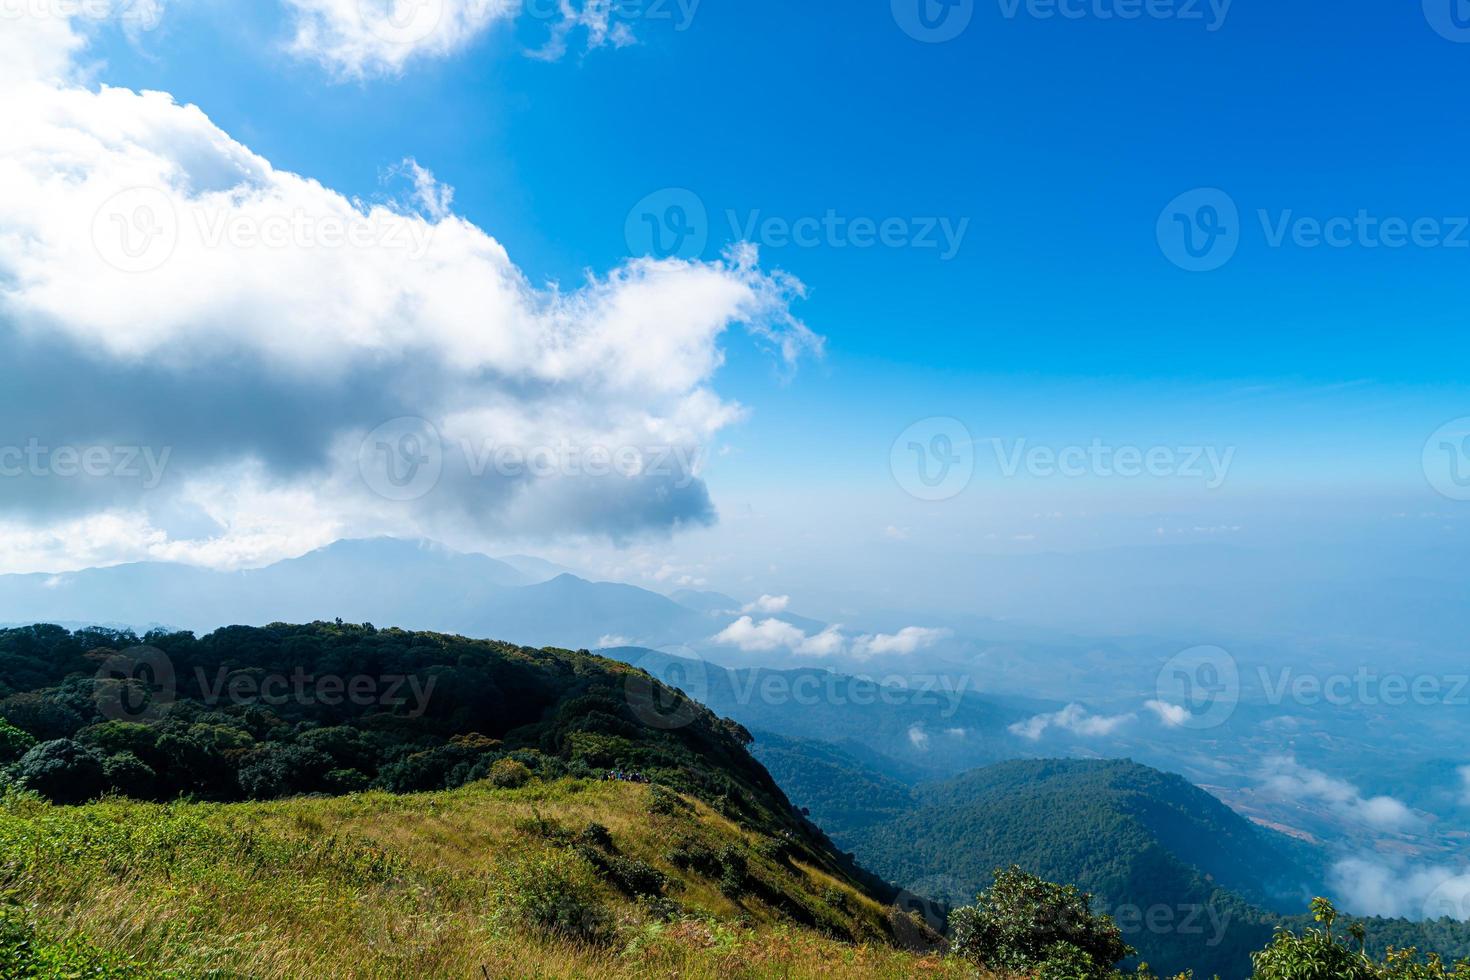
(413, 584)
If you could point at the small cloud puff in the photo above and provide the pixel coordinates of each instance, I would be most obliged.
(1073, 718)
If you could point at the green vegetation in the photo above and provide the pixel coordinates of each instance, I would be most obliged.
(1191, 884)
(1025, 925)
(571, 878)
(1316, 954)
(282, 711)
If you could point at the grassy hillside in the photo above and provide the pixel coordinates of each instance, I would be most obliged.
(572, 878)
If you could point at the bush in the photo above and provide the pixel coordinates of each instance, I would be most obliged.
(598, 836)
(1023, 923)
(14, 742)
(63, 770)
(130, 775)
(662, 803)
(347, 781)
(1318, 955)
(734, 872)
(509, 774)
(552, 895)
(273, 771)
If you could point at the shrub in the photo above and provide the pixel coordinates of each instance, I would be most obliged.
(63, 770)
(1022, 923)
(14, 742)
(347, 781)
(509, 774)
(734, 871)
(663, 803)
(691, 855)
(273, 771)
(598, 836)
(634, 877)
(551, 895)
(130, 775)
(1318, 955)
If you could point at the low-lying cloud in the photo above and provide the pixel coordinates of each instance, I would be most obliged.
(1283, 775)
(770, 635)
(1074, 718)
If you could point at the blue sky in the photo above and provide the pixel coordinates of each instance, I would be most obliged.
(1054, 142)
(1059, 141)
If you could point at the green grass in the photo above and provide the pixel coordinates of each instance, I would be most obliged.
(475, 882)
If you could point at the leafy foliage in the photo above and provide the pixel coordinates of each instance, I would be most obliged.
(1022, 923)
(1316, 954)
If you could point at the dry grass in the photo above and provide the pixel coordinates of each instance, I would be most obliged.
(378, 886)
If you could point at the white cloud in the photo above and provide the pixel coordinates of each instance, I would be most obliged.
(828, 643)
(768, 605)
(775, 634)
(355, 38)
(1379, 885)
(270, 324)
(897, 533)
(596, 17)
(613, 640)
(918, 738)
(1283, 775)
(1073, 718)
(752, 637)
(906, 641)
(1171, 715)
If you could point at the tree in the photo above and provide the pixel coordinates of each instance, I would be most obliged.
(1023, 923)
(63, 770)
(273, 771)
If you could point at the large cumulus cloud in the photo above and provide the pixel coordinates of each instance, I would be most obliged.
(162, 286)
